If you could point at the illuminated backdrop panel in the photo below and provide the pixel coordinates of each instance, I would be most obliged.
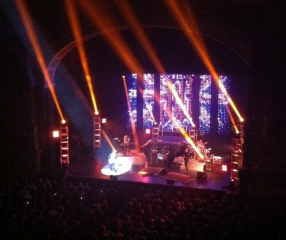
(183, 86)
(205, 104)
(132, 94)
(148, 100)
(196, 98)
(223, 118)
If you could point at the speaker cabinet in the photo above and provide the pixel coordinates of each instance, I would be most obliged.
(202, 176)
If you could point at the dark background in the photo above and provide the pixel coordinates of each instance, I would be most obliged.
(26, 110)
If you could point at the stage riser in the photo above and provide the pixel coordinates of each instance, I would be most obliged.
(197, 166)
(192, 165)
(134, 160)
(176, 166)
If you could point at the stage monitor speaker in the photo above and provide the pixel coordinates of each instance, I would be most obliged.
(170, 181)
(113, 177)
(163, 172)
(202, 176)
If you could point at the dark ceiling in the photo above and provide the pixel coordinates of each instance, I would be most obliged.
(229, 27)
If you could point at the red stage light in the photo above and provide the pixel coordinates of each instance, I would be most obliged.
(224, 168)
(56, 134)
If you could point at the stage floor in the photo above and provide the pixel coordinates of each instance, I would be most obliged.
(162, 175)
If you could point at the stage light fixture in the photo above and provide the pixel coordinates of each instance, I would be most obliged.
(224, 168)
(56, 134)
(143, 173)
(103, 120)
(148, 131)
(63, 121)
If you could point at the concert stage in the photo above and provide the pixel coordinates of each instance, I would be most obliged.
(134, 168)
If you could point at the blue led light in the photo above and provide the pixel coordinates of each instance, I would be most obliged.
(205, 103)
(223, 118)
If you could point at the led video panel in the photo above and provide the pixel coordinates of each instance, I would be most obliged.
(148, 101)
(223, 118)
(194, 91)
(205, 104)
(131, 81)
(182, 84)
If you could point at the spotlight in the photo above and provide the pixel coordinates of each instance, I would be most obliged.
(63, 121)
(103, 120)
(148, 131)
(56, 134)
(224, 168)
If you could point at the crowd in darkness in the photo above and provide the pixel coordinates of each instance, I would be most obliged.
(108, 209)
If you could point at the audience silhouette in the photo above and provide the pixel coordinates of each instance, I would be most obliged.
(73, 208)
